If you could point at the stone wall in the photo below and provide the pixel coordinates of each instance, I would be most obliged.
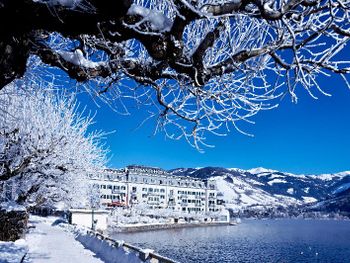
(13, 224)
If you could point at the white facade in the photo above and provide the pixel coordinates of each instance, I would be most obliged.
(156, 188)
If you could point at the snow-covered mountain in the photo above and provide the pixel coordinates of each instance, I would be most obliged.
(242, 189)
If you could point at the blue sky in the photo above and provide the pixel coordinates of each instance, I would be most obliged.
(312, 136)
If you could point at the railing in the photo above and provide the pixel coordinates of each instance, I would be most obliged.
(118, 191)
(144, 254)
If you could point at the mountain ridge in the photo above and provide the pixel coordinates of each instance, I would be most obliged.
(249, 189)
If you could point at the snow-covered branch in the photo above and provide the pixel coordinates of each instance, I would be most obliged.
(209, 62)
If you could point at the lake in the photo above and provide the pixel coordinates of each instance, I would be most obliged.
(285, 240)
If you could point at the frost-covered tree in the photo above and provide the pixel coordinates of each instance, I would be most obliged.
(209, 63)
(46, 151)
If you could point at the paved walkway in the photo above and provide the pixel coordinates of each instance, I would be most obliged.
(51, 244)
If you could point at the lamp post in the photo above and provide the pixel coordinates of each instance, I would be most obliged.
(92, 219)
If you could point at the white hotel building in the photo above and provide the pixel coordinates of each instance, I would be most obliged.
(156, 188)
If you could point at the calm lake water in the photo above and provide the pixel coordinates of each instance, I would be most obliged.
(255, 241)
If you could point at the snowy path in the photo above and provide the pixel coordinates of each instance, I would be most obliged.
(52, 244)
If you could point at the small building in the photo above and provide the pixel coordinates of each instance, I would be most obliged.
(94, 219)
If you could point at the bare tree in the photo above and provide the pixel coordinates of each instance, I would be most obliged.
(209, 63)
(46, 152)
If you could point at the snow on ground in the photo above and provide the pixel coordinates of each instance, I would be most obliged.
(290, 191)
(239, 193)
(12, 252)
(329, 177)
(276, 180)
(273, 176)
(260, 170)
(287, 200)
(47, 243)
(107, 252)
(254, 182)
(308, 199)
(341, 188)
(56, 242)
(325, 177)
(343, 174)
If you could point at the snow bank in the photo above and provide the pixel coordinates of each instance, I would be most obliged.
(13, 252)
(108, 251)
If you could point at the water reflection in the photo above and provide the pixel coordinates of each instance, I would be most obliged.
(252, 241)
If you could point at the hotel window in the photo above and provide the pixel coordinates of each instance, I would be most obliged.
(162, 190)
(109, 187)
(123, 188)
(144, 189)
(134, 188)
